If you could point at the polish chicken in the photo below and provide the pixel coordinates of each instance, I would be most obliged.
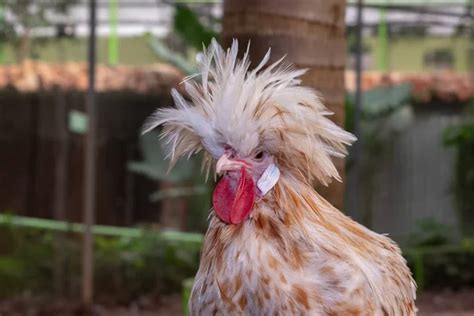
(274, 246)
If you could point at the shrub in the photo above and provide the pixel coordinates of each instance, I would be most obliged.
(125, 267)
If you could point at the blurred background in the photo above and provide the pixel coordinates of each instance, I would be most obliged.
(90, 220)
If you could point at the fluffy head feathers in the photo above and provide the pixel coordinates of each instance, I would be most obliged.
(249, 110)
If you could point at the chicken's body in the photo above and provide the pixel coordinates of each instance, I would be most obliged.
(298, 255)
(274, 246)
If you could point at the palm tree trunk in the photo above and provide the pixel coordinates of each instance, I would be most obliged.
(311, 34)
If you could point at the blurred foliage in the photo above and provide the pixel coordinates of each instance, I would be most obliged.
(186, 176)
(19, 17)
(25, 261)
(191, 29)
(125, 268)
(164, 53)
(461, 137)
(436, 260)
(384, 113)
(191, 32)
(187, 287)
(430, 233)
(443, 266)
(133, 267)
(378, 103)
(155, 164)
(129, 268)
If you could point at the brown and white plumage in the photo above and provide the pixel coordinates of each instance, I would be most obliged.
(286, 252)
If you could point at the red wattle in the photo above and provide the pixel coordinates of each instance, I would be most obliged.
(233, 205)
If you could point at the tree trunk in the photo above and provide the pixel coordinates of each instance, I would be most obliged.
(311, 34)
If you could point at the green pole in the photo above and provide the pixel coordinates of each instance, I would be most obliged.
(112, 231)
(113, 48)
(382, 42)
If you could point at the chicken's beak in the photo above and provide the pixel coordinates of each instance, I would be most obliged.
(226, 164)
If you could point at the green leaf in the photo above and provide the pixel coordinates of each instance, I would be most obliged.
(191, 30)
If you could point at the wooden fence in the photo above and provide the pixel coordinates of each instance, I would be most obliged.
(41, 159)
(414, 178)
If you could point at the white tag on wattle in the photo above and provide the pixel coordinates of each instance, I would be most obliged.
(268, 179)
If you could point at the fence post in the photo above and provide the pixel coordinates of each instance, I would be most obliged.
(90, 160)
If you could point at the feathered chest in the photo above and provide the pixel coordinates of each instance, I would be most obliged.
(259, 269)
(276, 263)
(244, 271)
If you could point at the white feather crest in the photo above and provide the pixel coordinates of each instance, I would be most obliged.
(249, 109)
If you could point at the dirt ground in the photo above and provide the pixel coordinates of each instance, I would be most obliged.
(439, 303)
(446, 303)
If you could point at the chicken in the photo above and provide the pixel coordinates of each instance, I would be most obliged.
(274, 246)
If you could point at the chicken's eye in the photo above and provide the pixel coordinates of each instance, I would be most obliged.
(258, 156)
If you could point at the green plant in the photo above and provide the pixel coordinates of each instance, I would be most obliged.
(191, 29)
(430, 233)
(462, 138)
(192, 33)
(184, 182)
(19, 265)
(127, 267)
(443, 266)
(147, 264)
